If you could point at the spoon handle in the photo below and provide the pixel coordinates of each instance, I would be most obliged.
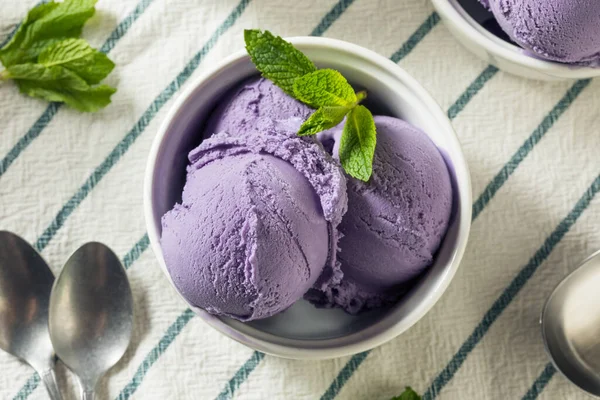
(87, 394)
(49, 379)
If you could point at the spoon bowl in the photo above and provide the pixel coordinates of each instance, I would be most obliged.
(91, 314)
(571, 326)
(25, 285)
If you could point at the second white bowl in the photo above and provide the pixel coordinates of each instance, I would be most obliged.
(504, 55)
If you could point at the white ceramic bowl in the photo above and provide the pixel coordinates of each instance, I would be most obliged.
(303, 331)
(504, 55)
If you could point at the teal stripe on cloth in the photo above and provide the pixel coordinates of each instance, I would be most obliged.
(241, 375)
(350, 368)
(529, 144)
(471, 91)
(173, 331)
(156, 352)
(347, 371)
(332, 16)
(9, 36)
(540, 383)
(53, 108)
(511, 291)
(124, 26)
(28, 388)
(33, 132)
(136, 251)
(124, 145)
(414, 39)
(131, 256)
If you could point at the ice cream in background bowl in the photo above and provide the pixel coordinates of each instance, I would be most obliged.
(301, 330)
(543, 40)
(565, 31)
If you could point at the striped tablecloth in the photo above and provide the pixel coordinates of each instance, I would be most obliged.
(67, 178)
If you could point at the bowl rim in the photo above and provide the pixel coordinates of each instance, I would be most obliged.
(463, 188)
(469, 28)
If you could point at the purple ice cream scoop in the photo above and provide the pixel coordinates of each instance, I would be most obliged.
(254, 228)
(566, 31)
(257, 105)
(395, 221)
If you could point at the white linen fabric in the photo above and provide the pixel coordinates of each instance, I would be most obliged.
(67, 178)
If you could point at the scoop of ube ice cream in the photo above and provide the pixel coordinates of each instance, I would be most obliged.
(253, 230)
(566, 31)
(395, 221)
(255, 106)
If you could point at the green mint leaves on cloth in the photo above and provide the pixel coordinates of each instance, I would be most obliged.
(46, 59)
(408, 394)
(326, 90)
(59, 84)
(79, 57)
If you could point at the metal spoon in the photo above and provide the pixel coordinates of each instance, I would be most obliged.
(571, 326)
(25, 285)
(91, 314)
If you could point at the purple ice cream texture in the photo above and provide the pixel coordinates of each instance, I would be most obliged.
(258, 124)
(395, 222)
(565, 31)
(254, 229)
(257, 106)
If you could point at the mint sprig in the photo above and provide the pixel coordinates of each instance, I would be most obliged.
(46, 59)
(276, 59)
(59, 84)
(45, 24)
(326, 90)
(408, 394)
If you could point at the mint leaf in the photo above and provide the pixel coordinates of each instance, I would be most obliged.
(46, 60)
(408, 394)
(56, 83)
(36, 13)
(357, 146)
(11, 54)
(327, 90)
(276, 59)
(325, 87)
(79, 57)
(45, 25)
(322, 119)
